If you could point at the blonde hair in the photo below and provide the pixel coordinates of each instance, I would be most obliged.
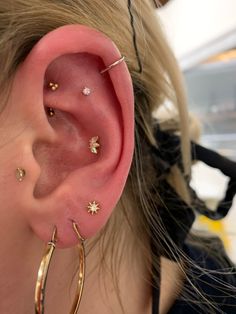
(23, 23)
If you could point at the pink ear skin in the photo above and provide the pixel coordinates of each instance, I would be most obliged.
(66, 175)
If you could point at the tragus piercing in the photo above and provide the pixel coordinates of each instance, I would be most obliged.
(20, 174)
(93, 208)
(53, 86)
(113, 65)
(94, 145)
(86, 91)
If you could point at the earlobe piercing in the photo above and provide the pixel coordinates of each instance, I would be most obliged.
(86, 91)
(53, 86)
(93, 208)
(94, 145)
(20, 174)
(113, 65)
(40, 287)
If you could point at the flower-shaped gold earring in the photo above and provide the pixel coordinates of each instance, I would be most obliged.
(94, 145)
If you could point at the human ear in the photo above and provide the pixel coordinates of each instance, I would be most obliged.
(63, 175)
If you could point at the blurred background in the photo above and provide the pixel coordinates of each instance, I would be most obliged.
(203, 36)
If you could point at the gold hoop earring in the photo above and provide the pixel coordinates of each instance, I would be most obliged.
(43, 272)
(114, 64)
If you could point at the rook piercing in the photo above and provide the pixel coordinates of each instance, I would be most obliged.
(113, 65)
(20, 174)
(50, 112)
(86, 91)
(53, 86)
(93, 208)
(93, 145)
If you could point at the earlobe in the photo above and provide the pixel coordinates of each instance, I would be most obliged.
(85, 154)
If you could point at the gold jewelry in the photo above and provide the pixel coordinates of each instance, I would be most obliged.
(43, 272)
(93, 208)
(50, 112)
(20, 174)
(53, 86)
(86, 91)
(94, 145)
(113, 65)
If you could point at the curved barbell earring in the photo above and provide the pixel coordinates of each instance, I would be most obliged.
(43, 272)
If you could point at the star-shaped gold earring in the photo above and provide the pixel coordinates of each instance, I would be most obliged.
(93, 208)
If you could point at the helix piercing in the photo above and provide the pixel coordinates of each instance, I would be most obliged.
(53, 86)
(93, 208)
(20, 174)
(86, 91)
(94, 145)
(113, 65)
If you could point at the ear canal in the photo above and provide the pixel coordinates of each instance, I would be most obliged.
(83, 169)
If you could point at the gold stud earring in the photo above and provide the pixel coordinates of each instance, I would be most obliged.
(20, 174)
(53, 86)
(86, 91)
(94, 145)
(50, 112)
(93, 208)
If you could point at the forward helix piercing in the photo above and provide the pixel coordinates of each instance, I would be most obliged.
(113, 65)
(94, 145)
(40, 288)
(53, 86)
(20, 174)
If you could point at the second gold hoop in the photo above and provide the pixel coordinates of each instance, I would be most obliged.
(40, 288)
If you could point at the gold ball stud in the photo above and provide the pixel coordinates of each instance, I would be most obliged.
(53, 86)
(20, 174)
(50, 112)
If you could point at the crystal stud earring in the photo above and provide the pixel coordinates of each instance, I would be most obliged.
(86, 91)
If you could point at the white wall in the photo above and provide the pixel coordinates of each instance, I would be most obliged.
(195, 24)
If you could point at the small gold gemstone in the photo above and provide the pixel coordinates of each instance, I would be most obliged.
(93, 208)
(94, 145)
(20, 174)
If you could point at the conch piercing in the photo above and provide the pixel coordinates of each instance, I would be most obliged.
(53, 86)
(20, 174)
(86, 91)
(94, 145)
(113, 65)
(93, 208)
(44, 267)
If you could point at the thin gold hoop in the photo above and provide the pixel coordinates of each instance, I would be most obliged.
(113, 65)
(44, 268)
